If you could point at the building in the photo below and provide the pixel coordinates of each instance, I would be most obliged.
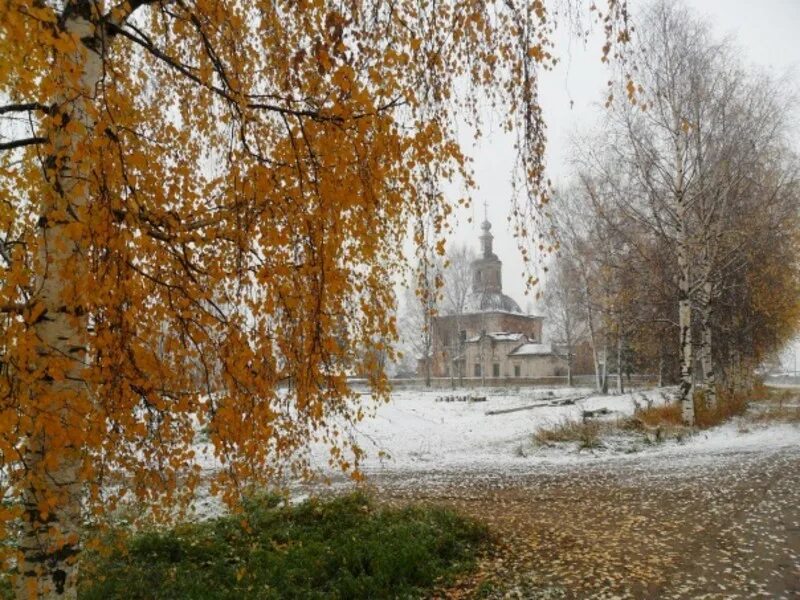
(492, 338)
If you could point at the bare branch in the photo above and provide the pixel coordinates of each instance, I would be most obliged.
(26, 107)
(22, 143)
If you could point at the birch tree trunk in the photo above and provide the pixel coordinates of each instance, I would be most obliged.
(620, 384)
(49, 541)
(569, 370)
(597, 380)
(592, 334)
(604, 381)
(684, 282)
(707, 357)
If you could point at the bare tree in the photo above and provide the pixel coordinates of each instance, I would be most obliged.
(416, 320)
(457, 280)
(565, 307)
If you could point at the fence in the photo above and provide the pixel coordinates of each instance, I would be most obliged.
(440, 383)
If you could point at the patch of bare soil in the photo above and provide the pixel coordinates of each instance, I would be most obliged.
(727, 528)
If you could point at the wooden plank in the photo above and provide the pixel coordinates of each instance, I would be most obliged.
(556, 402)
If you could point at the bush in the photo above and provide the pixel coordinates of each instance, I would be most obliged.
(585, 433)
(657, 423)
(729, 404)
(658, 416)
(342, 548)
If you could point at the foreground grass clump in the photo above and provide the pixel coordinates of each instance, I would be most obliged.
(586, 433)
(342, 548)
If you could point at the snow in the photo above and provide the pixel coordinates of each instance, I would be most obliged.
(533, 350)
(498, 336)
(414, 432)
(414, 436)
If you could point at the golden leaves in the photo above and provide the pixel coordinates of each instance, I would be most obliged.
(231, 191)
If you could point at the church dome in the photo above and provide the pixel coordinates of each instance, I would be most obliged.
(478, 302)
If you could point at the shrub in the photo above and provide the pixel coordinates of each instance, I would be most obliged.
(585, 433)
(729, 404)
(656, 416)
(341, 548)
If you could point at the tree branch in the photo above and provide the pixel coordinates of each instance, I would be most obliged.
(26, 107)
(13, 307)
(21, 143)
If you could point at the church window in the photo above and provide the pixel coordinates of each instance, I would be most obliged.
(516, 371)
(477, 370)
(496, 370)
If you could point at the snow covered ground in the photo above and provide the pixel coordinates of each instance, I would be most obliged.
(414, 432)
(415, 441)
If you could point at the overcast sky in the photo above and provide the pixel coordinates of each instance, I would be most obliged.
(765, 32)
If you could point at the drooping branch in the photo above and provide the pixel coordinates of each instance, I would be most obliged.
(187, 71)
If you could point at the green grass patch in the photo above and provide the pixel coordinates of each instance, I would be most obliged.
(341, 548)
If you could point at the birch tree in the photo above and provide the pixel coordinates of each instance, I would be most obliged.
(159, 156)
(682, 151)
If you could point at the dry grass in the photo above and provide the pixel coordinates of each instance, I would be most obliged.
(656, 416)
(781, 406)
(657, 423)
(585, 433)
(728, 405)
(778, 414)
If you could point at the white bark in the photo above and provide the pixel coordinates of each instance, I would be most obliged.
(620, 384)
(685, 396)
(706, 353)
(50, 539)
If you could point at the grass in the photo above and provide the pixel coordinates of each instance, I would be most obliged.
(662, 422)
(658, 416)
(657, 423)
(728, 405)
(336, 549)
(586, 433)
(781, 406)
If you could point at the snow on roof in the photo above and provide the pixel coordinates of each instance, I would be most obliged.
(498, 336)
(505, 336)
(532, 349)
(467, 313)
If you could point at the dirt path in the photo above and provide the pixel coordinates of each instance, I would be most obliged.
(725, 527)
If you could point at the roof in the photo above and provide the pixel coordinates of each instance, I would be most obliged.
(478, 302)
(532, 349)
(485, 312)
(499, 336)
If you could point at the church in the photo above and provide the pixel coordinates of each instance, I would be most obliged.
(492, 339)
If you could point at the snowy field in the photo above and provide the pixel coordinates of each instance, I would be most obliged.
(421, 442)
(414, 432)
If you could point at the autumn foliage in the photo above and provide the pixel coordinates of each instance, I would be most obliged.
(202, 206)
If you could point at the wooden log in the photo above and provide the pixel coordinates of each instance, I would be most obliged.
(590, 414)
(558, 402)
